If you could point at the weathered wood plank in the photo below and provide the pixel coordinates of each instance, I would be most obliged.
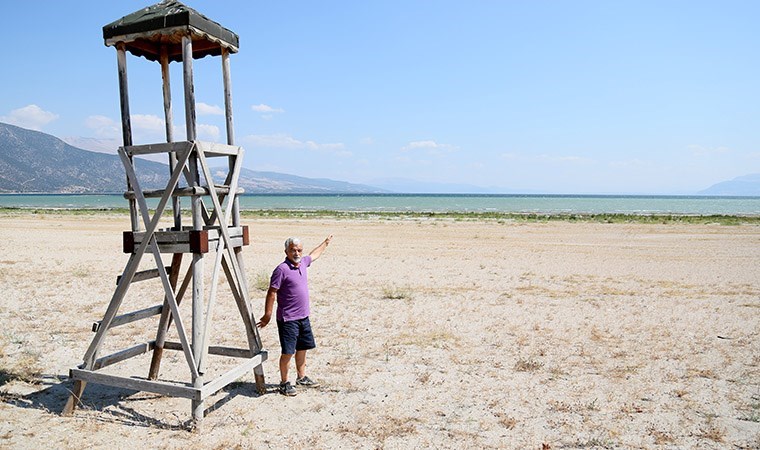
(122, 355)
(143, 275)
(76, 395)
(130, 317)
(183, 241)
(231, 352)
(158, 387)
(126, 121)
(165, 320)
(212, 387)
(210, 306)
(212, 149)
(163, 147)
(227, 95)
(184, 191)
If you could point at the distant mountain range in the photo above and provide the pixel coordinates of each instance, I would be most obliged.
(35, 162)
(747, 185)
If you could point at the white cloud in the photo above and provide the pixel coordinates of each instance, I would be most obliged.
(288, 142)
(262, 108)
(147, 123)
(31, 116)
(147, 129)
(210, 132)
(103, 127)
(630, 163)
(204, 109)
(430, 147)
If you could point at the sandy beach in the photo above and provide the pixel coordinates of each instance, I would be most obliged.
(431, 334)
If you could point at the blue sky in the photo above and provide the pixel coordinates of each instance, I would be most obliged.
(649, 97)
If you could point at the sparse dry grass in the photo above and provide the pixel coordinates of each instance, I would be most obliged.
(380, 428)
(392, 292)
(261, 281)
(424, 339)
(589, 336)
(528, 365)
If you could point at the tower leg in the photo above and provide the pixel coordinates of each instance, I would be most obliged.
(163, 323)
(254, 339)
(258, 374)
(73, 401)
(197, 412)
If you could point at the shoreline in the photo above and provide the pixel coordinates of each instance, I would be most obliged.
(695, 219)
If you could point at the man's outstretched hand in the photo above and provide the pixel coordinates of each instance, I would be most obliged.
(264, 320)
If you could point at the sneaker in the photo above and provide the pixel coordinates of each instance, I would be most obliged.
(306, 382)
(287, 389)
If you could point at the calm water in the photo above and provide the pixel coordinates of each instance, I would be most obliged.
(693, 205)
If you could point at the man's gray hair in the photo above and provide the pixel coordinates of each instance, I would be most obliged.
(291, 240)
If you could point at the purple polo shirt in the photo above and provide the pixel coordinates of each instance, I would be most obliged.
(292, 289)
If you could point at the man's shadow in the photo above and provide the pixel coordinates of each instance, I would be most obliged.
(112, 402)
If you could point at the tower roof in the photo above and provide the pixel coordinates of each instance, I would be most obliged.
(165, 23)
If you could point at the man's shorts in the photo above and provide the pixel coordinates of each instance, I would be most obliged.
(295, 335)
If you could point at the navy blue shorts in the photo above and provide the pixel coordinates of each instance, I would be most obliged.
(295, 335)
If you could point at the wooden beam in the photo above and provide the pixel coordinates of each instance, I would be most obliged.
(130, 317)
(122, 355)
(219, 350)
(213, 149)
(74, 398)
(126, 123)
(227, 95)
(187, 77)
(142, 275)
(165, 147)
(165, 321)
(159, 387)
(184, 241)
(184, 192)
(211, 303)
(212, 387)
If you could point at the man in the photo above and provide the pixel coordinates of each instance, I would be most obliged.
(289, 286)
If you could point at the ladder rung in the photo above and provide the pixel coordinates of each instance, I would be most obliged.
(130, 317)
(145, 275)
(184, 191)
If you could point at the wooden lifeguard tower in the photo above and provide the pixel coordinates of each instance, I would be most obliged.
(164, 32)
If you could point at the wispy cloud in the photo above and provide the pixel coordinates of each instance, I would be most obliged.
(147, 123)
(267, 112)
(430, 147)
(283, 141)
(210, 132)
(262, 108)
(147, 128)
(103, 127)
(204, 109)
(629, 163)
(30, 116)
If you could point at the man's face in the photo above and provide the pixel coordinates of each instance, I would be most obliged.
(294, 253)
